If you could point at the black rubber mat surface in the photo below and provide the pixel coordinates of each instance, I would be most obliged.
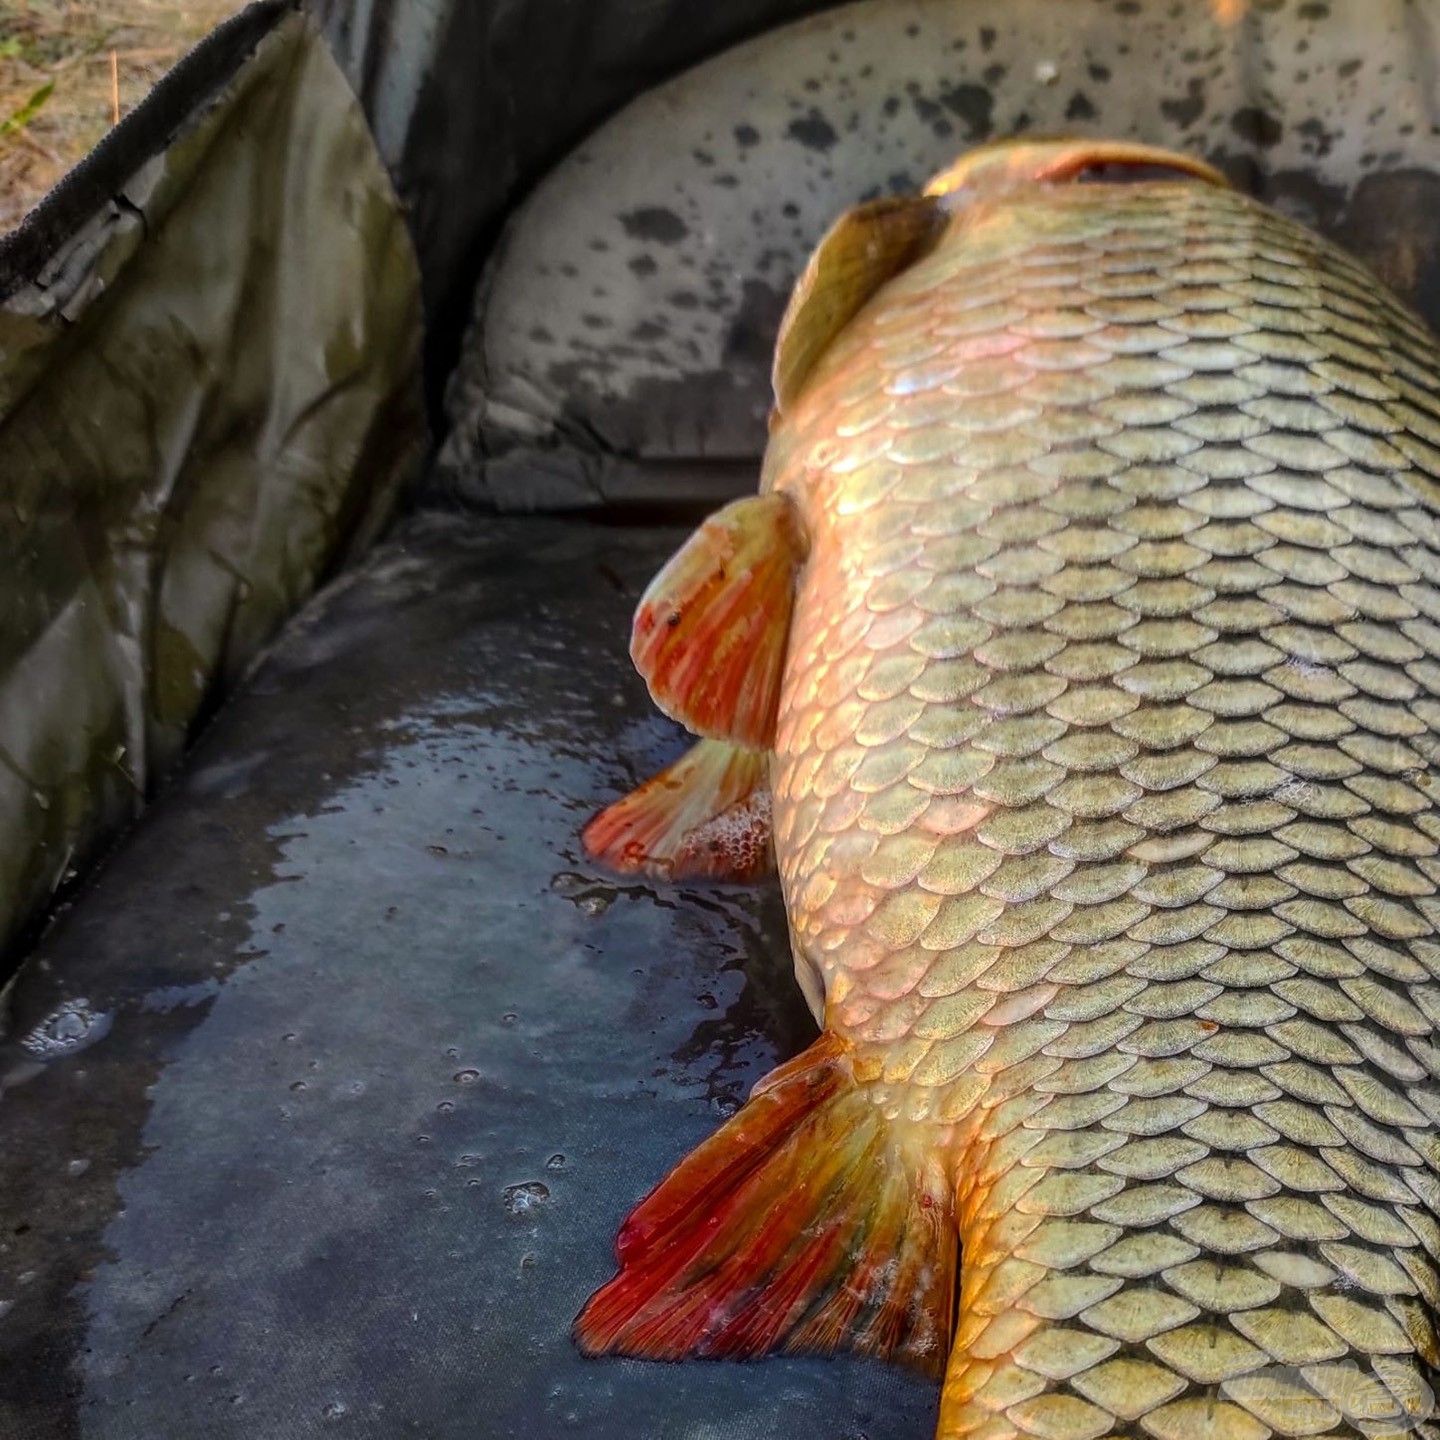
(321, 1106)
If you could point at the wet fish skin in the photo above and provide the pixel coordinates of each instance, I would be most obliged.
(1105, 801)
(1104, 521)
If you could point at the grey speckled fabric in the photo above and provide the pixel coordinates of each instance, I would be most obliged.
(621, 342)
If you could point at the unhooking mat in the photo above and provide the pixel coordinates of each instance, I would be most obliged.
(323, 1103)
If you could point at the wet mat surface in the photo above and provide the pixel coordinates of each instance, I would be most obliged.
(321, 1107)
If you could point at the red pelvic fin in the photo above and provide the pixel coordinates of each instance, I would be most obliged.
(710, 633)
(707, 815)
(807, 1222)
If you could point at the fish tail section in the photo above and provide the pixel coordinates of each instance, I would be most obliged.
(809, 1222)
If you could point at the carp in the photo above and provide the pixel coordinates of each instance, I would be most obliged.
(1081, 650)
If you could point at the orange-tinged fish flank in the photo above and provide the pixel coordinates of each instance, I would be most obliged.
(1105, 805)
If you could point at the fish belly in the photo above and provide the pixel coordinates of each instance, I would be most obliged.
(1107, 805)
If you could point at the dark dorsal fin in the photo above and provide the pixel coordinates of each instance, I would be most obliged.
(874, 242)
(1007, 164)
(863, 249)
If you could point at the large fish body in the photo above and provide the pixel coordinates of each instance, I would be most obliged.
(1105, 800)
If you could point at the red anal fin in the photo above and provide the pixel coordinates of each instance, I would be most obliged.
(710, 632)
(707, 815)
(808, 1222)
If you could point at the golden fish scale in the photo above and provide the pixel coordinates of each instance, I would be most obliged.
(1106, 803)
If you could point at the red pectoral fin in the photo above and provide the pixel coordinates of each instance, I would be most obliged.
(707, 815)
(710, 633)
(808, 1222)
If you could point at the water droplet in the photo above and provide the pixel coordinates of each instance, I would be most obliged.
(335, 1410)
(422, 1139)
(298, 1085)
(706, 1000)
(70, 1028)
(290, 1037)
(555, 1162)
(466, 1162)
(509, 1018)
(466, 1077)
(521, 1198)
(445, 1106)
(77, 1167)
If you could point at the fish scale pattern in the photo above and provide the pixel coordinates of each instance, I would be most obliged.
(1107, 804)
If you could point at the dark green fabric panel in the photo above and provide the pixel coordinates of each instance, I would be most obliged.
(208, 396)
